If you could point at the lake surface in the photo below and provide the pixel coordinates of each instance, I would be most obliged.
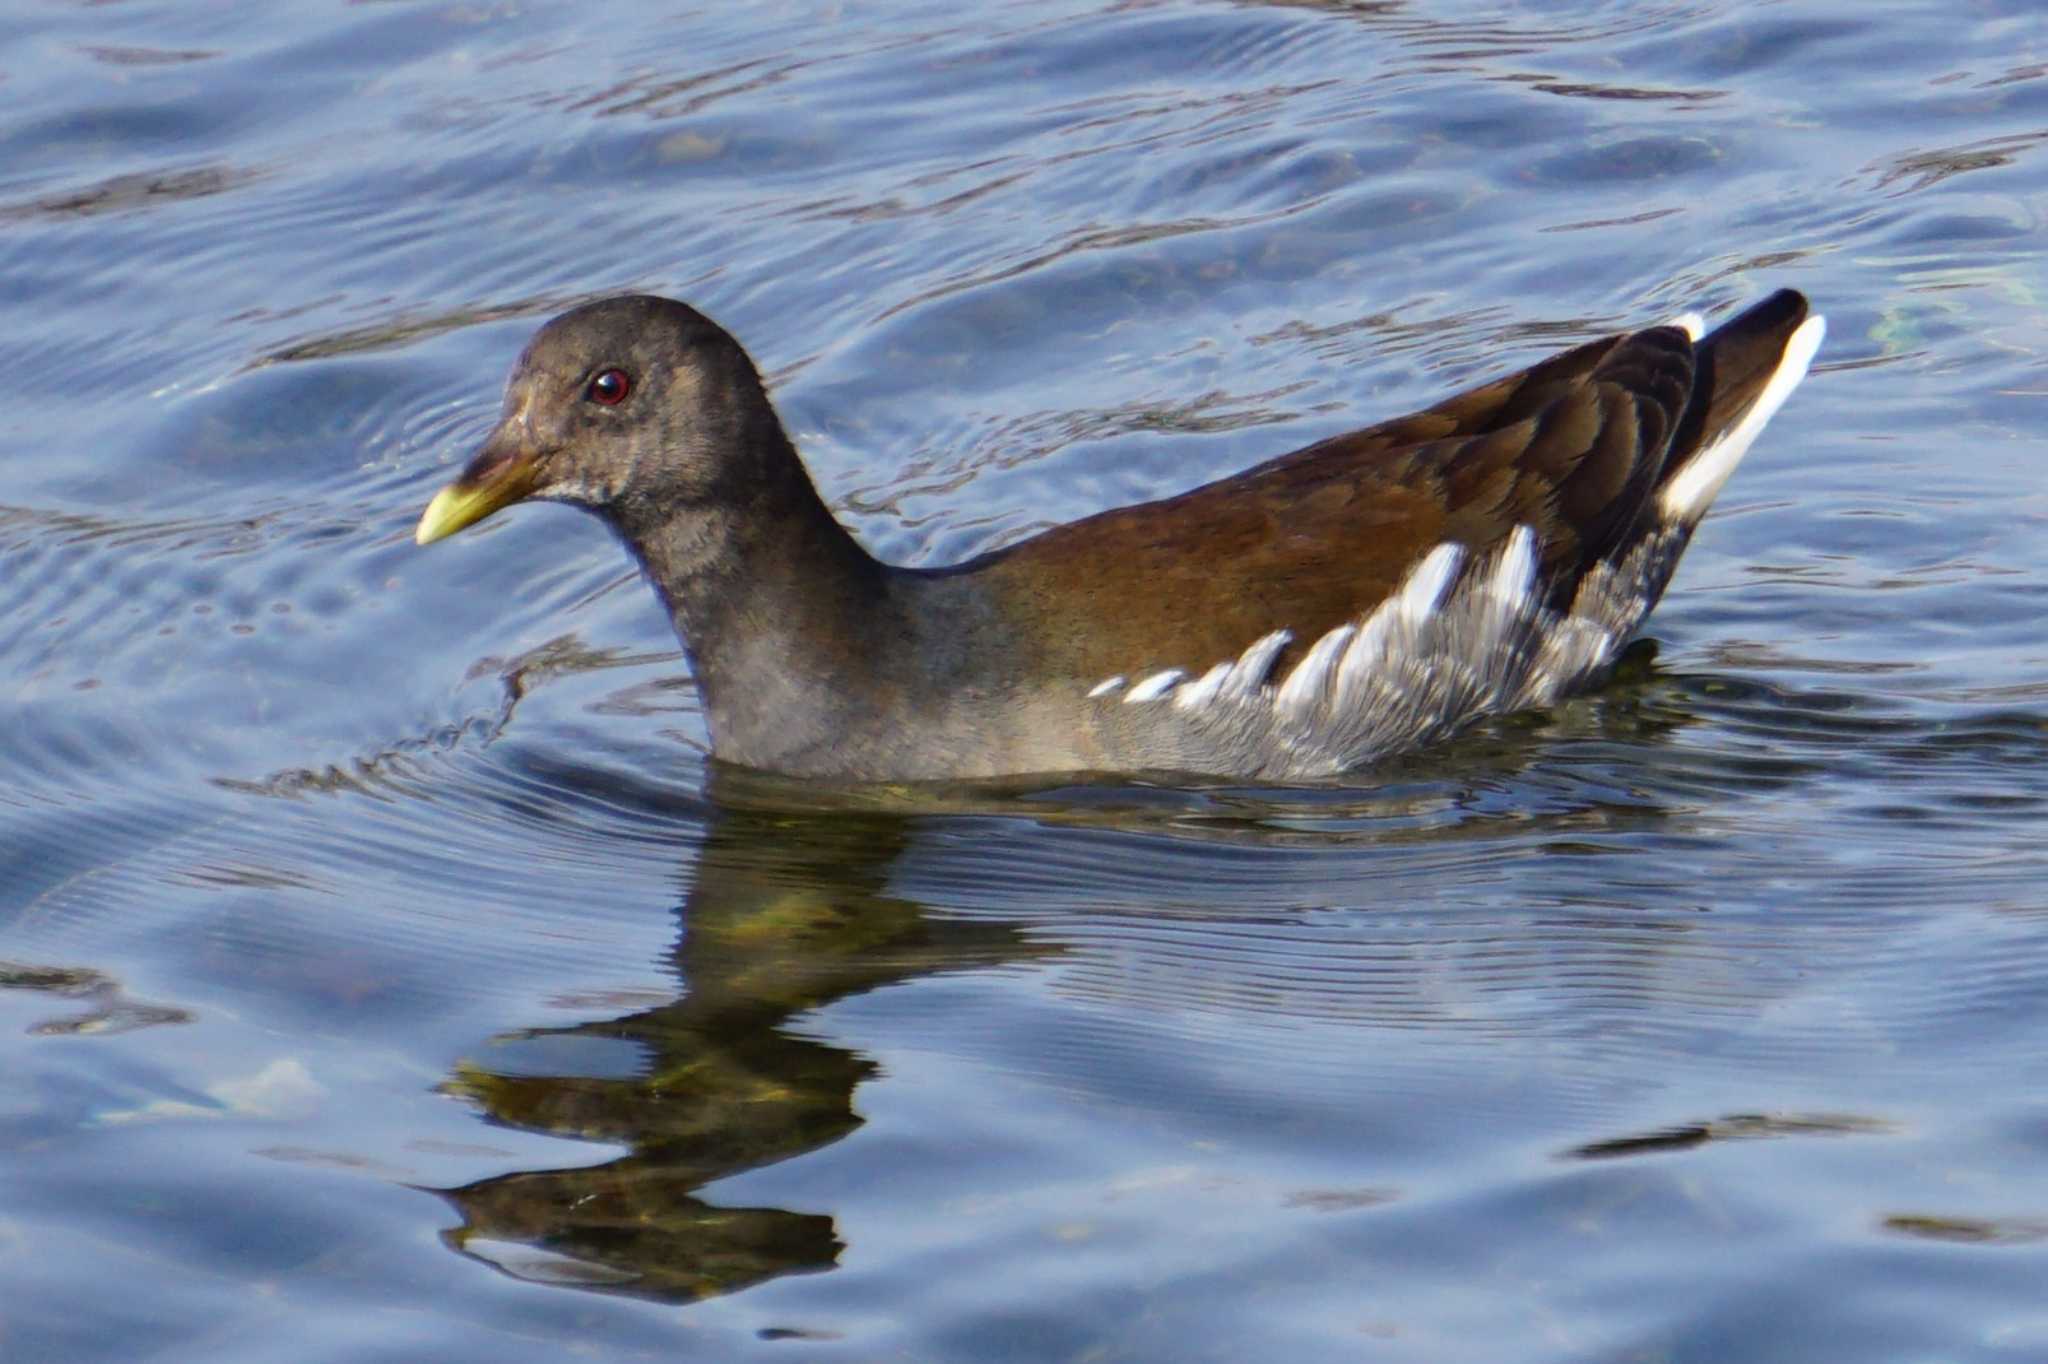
(388, 975)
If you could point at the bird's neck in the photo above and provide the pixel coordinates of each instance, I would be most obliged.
(777, 605)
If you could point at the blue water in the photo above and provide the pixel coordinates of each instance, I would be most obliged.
(385, 975)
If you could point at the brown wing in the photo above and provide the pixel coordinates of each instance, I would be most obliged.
(1572, 447)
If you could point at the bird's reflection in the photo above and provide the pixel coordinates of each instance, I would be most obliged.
(785, 912)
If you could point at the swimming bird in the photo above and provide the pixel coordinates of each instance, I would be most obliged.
(1361, 596)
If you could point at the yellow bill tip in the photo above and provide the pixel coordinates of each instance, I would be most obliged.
(470, 499)
(452, 508)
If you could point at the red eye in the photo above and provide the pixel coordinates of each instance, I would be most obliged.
(609, 388)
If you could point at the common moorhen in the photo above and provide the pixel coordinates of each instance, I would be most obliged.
(1363, 595)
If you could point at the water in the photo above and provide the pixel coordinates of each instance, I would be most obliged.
(388, 976)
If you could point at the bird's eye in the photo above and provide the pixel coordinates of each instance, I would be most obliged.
(609, 388)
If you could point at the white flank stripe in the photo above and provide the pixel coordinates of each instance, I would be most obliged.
(1687, 497)
(1424, 590)
(1368, 651)
(1203, 689)
(1515, 574)
(1254, 663)
(1106, 686)
(1155, 686)
(1304, 686)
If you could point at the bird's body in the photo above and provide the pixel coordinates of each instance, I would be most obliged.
(1357, 597)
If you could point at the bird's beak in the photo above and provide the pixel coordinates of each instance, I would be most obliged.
(501, 473)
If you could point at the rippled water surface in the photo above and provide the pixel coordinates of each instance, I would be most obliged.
(384, 973)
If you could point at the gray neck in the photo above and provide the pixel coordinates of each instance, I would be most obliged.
(781, 611)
